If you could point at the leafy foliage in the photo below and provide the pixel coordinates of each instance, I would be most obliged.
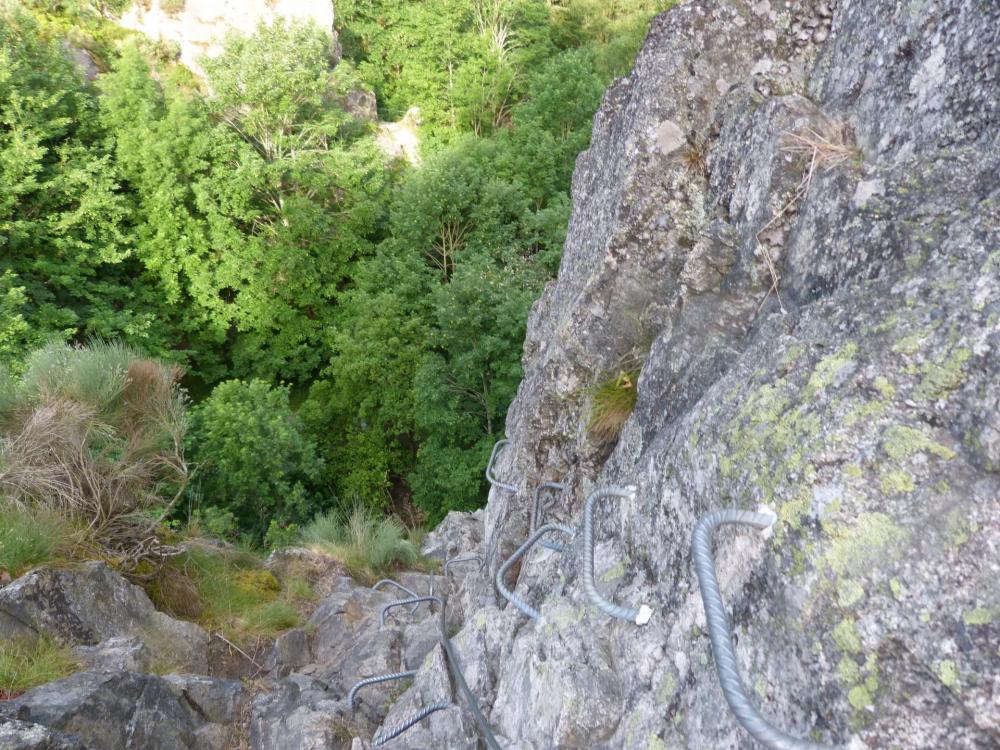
(254, 460)
(251, 229)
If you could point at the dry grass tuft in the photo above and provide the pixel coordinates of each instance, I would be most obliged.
(96, 434)
(819, 152)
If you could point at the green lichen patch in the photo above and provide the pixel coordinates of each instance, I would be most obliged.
(940, 378)
(615, 572)
(910, 344)
(901, 442)
(846, 636)
(855, 548)
(828, 368)
(849, 593)
(981, 615)
(884, 387)
(848, 671)
(960, 528)
(668, 687)
(896, 587)
(948, 672)
(859, 697)
(897, 481)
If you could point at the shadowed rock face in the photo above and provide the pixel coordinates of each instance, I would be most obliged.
(850, 156)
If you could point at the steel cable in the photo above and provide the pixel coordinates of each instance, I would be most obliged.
(451, 659)
(720, 632)
(507, 593)
(638, 616)
(375, 681)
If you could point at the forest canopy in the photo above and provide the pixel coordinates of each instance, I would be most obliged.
(357, 318)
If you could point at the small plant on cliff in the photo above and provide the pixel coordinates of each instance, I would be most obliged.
(367, 544)
(29, 537)
(611, 404)
(172, 7)
(29, 661)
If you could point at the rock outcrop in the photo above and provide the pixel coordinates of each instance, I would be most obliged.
(789, 217)
(92, 606)
(198, 27)
(789, 221)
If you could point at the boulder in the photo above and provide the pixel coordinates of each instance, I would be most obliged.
(126, 711)
(90, 603)
(23, 735)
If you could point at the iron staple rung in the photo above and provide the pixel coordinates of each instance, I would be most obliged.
(507, 593)
(374, 681)
(394, 732)
(721, 635)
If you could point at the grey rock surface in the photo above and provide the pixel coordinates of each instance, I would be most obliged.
(127, 711)
(91, 603)
(23, 735)
(848, 157)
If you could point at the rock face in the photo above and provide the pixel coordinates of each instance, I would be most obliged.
(848, 157)
(199, 26)
(119, 710)
(94, 606)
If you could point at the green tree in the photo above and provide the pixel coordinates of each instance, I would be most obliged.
(64, 223)
(253, 457)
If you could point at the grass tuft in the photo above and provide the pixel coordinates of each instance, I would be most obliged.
(228, 591)
(30, 536)
(367, 544)
(30, 661)
(612, 403)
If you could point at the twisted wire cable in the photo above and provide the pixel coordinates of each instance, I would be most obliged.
(507, 593)
(402, 588)
(397, 730)
(374, 681)
(538, 511)
(720, 632)
(638, 616)
(490, 476)
(455, 667)
(403, 603)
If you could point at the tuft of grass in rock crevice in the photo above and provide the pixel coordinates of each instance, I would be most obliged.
(35, 535)
(612, 403)
(370, 546)
(227, 590)
(29, 661)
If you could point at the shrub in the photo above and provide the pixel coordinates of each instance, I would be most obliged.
(95, 433)
(611, 404)
(254, 459)
(29, 536)
(27, 662)
(368, 545)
